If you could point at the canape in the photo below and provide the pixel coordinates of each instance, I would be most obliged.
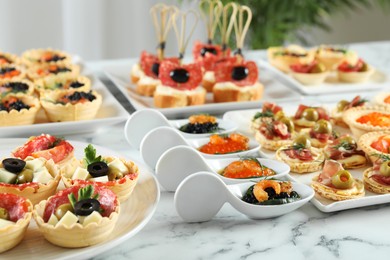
(12, 71)
(307, 116)
(276, 133)
(283, 57)
(13, 86)
(344, 105)
(35, 57)
(377, 178)
(321, 134)
(355, 72)
(376, 145)
(269, 111)
(8, 58)
(330, 56)
(313, 73)
(58, 70)
(18, 109)
(80, 83)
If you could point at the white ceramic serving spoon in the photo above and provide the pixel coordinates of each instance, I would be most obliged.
(181, 161)
(159, 140)
(201, 195)
(143, 121)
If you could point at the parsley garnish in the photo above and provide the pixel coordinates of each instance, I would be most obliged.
(83, 194)
(267, 113)
(90, 155)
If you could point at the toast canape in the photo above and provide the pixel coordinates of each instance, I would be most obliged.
(12, 71)
(377, 178)
(363, 119)
(276, 133)
(58, 70)
(116, 174)
(335, 183)
(313, 73)
(271, 192)
(247, 167)
(15, 216)
(13, 86)
(321, 134)
(78, 216)
(33, 178)
(345, 150)
(283, 57)
(375, 145)
(330, 56)
(35, 57)
(344, 105)
(354, 71)
(8, 58)
(268, 112)
(224, 144)
(80, 83)
(18, 109)
(307, 116)
(301, 156)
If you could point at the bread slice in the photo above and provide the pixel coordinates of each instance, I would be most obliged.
(230, 92)
(208, 81)
(166, 97)
(146, 86)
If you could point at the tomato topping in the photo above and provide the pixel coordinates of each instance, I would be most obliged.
(192, 73)
(387, 100)
(274, 129)
(47, 146)
(382, 144)
(304, 68)
(225, 71)
(246, 168)
(346, 67)
(375, 119)
(16, 206)
(225, 144)
(272, 107)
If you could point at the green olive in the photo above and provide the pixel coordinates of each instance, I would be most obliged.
(289, 123)
(385, 169)
(310, 114)
(279, 115)
(322, 126)
(25, 176)
(318, 68)
(302, 140)
(364, 67)
(62, 209)
(348, 139)
(341, 105)
(114, 175)
(342, 180)
(4, 214)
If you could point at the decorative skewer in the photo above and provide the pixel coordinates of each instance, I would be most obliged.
(241, 27)
(211, 11)
(227, 25)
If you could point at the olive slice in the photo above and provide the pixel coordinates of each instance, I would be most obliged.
(385, 169)
(180, 75)
(204, 50)
(239, 72)
(14, 165)
(98, 169)
(342, 180)
(86, 207)
(156, 68)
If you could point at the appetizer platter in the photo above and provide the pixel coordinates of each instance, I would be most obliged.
(357, 161)
(134, 212)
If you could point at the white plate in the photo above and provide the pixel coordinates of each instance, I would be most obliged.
(274, 90)
(110, 112)
(331, 85)
(135, 214)
(243, 118)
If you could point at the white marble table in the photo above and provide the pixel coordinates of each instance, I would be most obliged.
(303, 234)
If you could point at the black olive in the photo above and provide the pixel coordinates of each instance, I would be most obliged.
(14, 165)
(239, 73)
(98, 169)
(204, 50)
(180, 75)
(156, 68)
(76, 84)
(86, 207)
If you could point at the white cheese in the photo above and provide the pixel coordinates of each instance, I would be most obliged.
(6, 176)
(93, 217)
(80, 174)
(42, 176)
(4, 223)
(53, 220)
(68, 219)
(101, 178)
(209, 76)
(146, 80)
(117, 164)
(35, 164)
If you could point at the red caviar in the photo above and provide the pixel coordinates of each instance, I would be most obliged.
(225, 144)
(375, 119)
(247, 168)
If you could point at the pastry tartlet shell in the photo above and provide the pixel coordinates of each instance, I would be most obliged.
(365, 142)
(372, 185)
(24, 116)
(32, 57)
(42, 84)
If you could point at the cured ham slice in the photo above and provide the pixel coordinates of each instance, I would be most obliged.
(331, 167)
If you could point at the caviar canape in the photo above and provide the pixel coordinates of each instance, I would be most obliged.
(78, 216)
(307, 116)
(48, 147)
(57, 70)
(283, 57)
(367, 119)
(116, 174)
(345, 150)
(80, 83)
(268, 112)
(375, 145)
(377, 178)
(313, 73)
(32, 178)
(335, 183)
(18, 109)
(354, 71)
(344, 105)
(8, 58)
(224, 144)
(16, 86)
(271, 192)
(12, 71)
(275, 133)
(201, 124)
(236, 78)
(71, 105)
(320, 134)
(301, 156)
(15, 216)
(245, 168)
(330, 56)
(35, 57)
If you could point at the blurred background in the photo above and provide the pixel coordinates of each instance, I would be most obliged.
(111, 29)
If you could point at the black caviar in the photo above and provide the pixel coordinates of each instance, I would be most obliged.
(273, 198)
(197, 128)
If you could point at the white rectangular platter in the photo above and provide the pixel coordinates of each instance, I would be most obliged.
(243, 119)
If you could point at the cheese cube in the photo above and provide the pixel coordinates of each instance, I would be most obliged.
(93, 217)
(101, 178)
(53, 220)
(35, 164)
(42, 176)
(80, 174)
(4, 223)
(118, 165)
(68, 219)
(6, 176)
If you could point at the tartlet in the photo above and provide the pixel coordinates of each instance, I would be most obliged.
(313, 73)
(8, 58)
(268, 112)
(13, 86)
(375, 145)
(376, 178)
(342, 106)
(354, 72)
(330, 56)
(12, 71)
(71, 105)
(80, 83)
(45, 56)
(75, 232)
(18, 109)
(12, 232)
(58, 70)
(345, 150)
(367, 119)
(283, 57)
